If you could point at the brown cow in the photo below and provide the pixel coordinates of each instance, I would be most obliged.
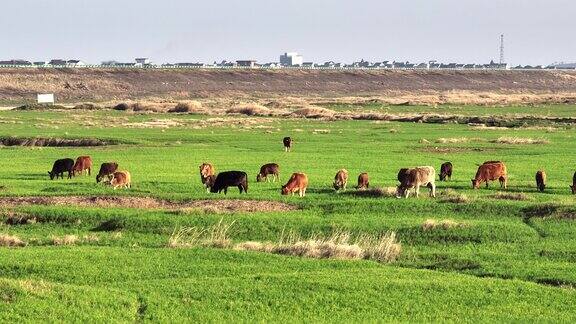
(490, 171)
(106, 170)
(363, 181)
(341, 179)
(287, 144)
(415, 178)
(446, 171)
(121, 179)
(541, 180)
(207, 172)
(268, 169)
(573, 186)
(298, 182)
(83, 163)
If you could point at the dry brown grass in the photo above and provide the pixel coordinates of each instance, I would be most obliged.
(519, 140)
(339, 245)
(65, 240)
(314, 112)
(378, 192)
(208, 206)
(54, 142)
(452, 196)
(431, 224)
(250, 109)
(213, 236)
(187, 107)
(510, 196)
(11, 241)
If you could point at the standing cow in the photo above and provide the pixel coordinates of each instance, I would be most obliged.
(230, 179)
(363, 181)
(490, 171)
(446, 171)
(415, 178)
(207, 177)
(61, 166)
(341, 179)
(541, 180)
(268, 169)
(83, 163)
(287, 144)
(573, 186)
(297, 182)
(107, 170)
(121, 179)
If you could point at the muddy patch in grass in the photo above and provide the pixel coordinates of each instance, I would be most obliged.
(55, 142)
(210, 206)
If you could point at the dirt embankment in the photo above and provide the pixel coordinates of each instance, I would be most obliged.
(115, 84)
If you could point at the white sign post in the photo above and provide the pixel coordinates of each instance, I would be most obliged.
(46, 98)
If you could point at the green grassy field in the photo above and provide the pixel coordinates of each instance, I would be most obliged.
(511, 260)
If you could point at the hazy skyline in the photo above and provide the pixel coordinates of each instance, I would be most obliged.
(537, 32)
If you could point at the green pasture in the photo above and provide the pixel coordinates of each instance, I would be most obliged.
(512, 261)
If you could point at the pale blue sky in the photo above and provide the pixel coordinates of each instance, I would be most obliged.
(537, 31)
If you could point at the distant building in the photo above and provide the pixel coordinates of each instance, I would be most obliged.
(75, 63)
(142, 60)
(291, 59)
(15, 62)
(246, 63)
(57, 62)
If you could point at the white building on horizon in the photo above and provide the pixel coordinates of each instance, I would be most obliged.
(291, 59)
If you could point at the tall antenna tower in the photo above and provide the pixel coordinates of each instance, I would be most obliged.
(501, 49)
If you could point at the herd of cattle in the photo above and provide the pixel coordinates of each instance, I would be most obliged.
(410, 179)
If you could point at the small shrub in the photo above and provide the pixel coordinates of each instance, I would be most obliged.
(86, 106)
(376, 192)
(250, 109)
(431, 224)
(122, 106)
(186, 107)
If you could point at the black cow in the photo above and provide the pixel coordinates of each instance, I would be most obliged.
(61, 166)
(287, 144)
(446, 171)
(106, 170)
(230, 179)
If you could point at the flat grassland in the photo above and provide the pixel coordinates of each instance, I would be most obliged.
(467, 256)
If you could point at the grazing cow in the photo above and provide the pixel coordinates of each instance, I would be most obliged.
(61, 166)
(83, 163)
(341, 179)
(268, 169)
(363, 181)
(415, 178)
(229, 179)
(287, 144)
(573, 186)
(297, 182)
(446, 171)
(207, 172)
(490, 171)
(106, 170)
(121, 179)
(541, 180)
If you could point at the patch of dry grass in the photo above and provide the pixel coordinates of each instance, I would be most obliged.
(452, 196)
(65, 240)
(213, 236)
(11, 241)
(519, 140)
(187, 107)
(339, 245)
(510, 196)
(250, 109)
(431, 224)
(378, 192)
(314, 112)
(53, 141)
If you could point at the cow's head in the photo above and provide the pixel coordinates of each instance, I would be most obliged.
(337, 185)
(573, 187)
(259, 177)
(475, 183)
(98, 178)
(285, 190)
(401, 191)
(52, 175)
(205, 170)
(442, 176)
(209, 181)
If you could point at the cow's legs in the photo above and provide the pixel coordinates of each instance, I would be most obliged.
(433, 190)
(417, 190)
(225, 190)
(240, 188)
(486, 183)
